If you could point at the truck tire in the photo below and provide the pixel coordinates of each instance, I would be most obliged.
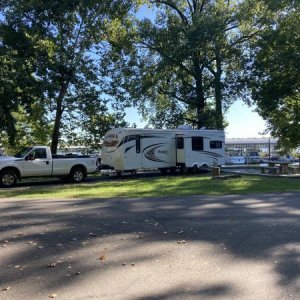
(8, 178)
(77, 175)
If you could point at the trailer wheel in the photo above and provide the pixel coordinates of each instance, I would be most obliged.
(77, 174)
(195, 169)
(173, 170)
(163, 171)
(8, 178)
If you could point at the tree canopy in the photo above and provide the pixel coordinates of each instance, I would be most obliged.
(188, 63)
(70, 67)
(274, 74)
(67, 39)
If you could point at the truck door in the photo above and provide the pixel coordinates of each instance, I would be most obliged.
(180, 149)
(36, 163)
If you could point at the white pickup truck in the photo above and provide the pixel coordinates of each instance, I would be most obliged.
(38, 161)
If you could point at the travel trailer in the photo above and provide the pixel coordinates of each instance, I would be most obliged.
(130, 149)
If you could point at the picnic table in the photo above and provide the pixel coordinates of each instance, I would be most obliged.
(273, 167)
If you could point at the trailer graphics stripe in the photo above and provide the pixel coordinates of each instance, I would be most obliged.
(213, 154)
(128, 148)
(150, 153)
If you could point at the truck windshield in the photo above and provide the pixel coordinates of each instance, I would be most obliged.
(23, 152)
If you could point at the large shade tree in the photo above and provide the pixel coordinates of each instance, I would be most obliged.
(17, 84)
(69, 39)
(274, 75)
(188, 62)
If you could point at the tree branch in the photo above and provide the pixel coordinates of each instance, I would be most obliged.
(170, 58)
(245, 38)
(179, 12)
(202, 5)
(173, 95)
(190, 6)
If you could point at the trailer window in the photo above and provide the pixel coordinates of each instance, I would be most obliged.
(110, 143)
(131, 138)
(215, 145)
(110, 140)
(197, 143)
(180, 142)
(138, 144)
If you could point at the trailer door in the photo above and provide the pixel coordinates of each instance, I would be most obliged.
(180, 149)
(132, 152)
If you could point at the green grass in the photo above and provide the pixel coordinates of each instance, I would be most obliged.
(156, 187)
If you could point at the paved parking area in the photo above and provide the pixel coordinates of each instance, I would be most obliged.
(198, 247)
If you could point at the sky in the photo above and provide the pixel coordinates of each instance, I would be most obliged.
(243, 121)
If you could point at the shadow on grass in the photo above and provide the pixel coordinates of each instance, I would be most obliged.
(130, 186)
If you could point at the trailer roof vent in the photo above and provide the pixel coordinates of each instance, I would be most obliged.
(185, 127)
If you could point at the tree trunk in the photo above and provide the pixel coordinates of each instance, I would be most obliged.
(58, 117)
(56, 130)
(218, 91)
(200, 98)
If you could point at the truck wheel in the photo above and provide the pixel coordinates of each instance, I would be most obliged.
(77, 175)
(8, 178)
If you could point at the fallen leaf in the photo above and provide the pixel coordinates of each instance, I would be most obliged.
(52, 265)
(102, 257)
(53, 295)
(181, 242)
